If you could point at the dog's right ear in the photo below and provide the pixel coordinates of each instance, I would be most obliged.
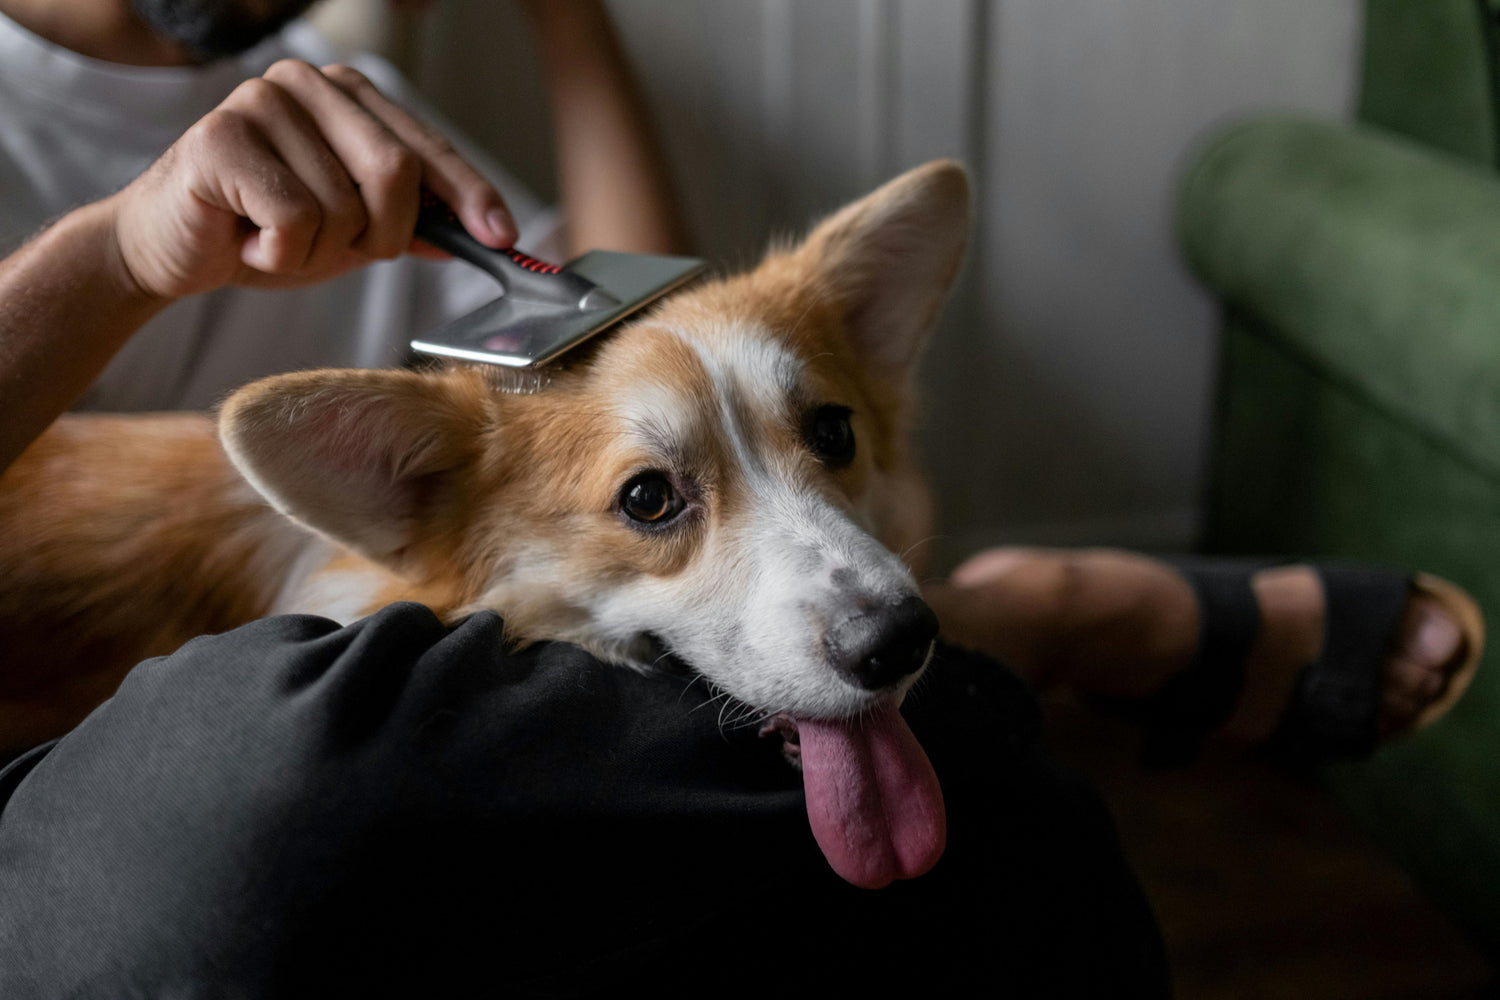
(362, 457)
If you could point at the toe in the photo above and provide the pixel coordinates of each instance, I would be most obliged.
(1427, 644)
(1429, 634)
(1417, 678)
(1398, 706)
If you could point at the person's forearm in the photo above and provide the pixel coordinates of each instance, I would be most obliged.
(297, 177)
(67, 304)
(612, 175)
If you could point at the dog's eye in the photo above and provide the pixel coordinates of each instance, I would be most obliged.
(831, 436)
(650, 499)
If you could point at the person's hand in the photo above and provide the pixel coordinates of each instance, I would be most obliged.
(297, 177)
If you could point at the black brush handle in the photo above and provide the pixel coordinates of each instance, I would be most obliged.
(520, 275)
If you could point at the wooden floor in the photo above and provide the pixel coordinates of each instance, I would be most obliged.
(1264, 887)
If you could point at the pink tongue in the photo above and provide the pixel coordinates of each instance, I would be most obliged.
(872, 797)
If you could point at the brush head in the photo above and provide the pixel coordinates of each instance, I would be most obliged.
(521, 332)
(517, 381)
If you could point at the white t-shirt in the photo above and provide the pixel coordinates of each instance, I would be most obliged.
(74, 129)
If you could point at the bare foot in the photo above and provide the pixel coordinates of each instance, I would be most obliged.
(1103, 622)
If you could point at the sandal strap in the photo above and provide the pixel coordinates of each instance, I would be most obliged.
(1335, 707)
(1200, 698)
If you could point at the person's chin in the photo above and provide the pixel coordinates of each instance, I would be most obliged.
(213, 29)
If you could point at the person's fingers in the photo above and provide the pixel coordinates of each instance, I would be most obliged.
(476, 203)
(296, 177)
(426, 251)
(385, 173)
(293, 134)
(240, 172)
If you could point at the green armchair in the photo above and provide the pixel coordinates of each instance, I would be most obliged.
(1359, 395)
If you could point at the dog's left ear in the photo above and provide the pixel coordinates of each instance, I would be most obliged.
(890, 259)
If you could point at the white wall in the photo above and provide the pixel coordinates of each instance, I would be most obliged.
(1069, 388)
(1101, 347)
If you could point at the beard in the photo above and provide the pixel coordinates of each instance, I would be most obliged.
(211, 29)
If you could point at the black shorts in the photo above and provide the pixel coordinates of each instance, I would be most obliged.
(401, 808)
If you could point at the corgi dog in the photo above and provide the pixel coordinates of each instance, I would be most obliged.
(727, 480)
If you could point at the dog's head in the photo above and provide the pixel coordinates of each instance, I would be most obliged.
(726, 479)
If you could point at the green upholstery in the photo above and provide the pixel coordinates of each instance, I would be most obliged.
(1360, 250)
(1429, 73)
(1359, 397)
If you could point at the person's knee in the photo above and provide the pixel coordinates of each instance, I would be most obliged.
(1063, 587)
(1109, 597)
(1076, 588)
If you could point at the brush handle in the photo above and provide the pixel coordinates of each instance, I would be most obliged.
(520, 275)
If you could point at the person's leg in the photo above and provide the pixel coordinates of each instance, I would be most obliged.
(400, 807)
(1119, 624)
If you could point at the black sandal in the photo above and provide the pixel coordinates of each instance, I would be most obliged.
(1334, 709)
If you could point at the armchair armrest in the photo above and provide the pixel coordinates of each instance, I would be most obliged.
(1373, 260)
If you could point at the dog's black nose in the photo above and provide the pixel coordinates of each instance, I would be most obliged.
(882, 646)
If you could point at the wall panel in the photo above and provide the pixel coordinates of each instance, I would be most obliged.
(1069, 387)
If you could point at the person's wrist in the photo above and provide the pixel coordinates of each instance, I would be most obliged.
(121, 280)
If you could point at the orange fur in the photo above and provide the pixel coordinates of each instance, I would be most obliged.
(121, 537)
